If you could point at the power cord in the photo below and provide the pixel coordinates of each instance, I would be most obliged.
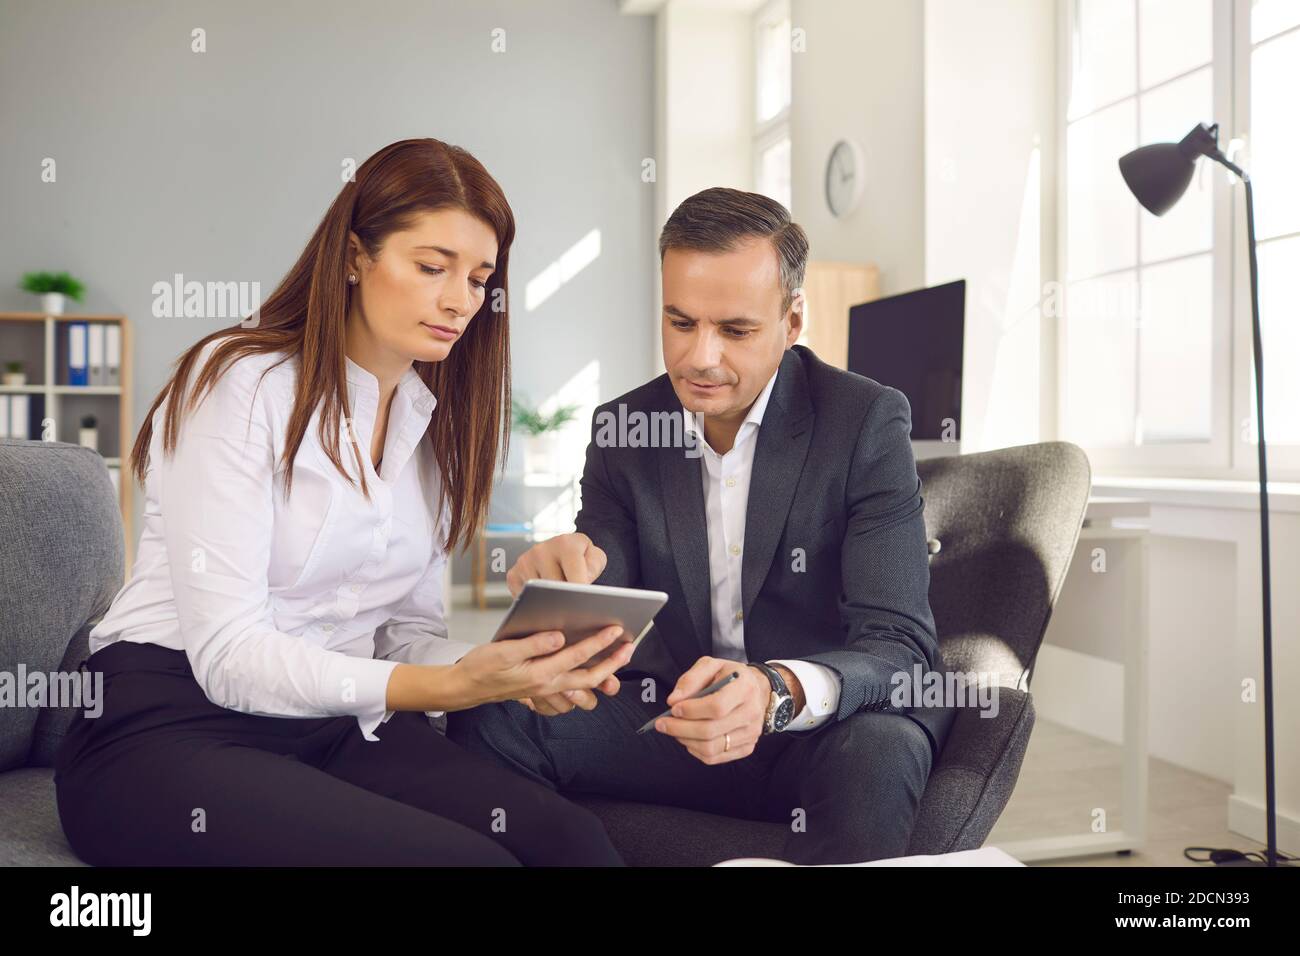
(1229, 857)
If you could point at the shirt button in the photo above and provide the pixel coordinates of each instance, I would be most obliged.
(355, 589)
(735, 549)
(740, 615)
(731, 482)
(327, 627)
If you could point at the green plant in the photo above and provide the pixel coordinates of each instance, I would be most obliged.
(43, 282)
(16, 366)
(530, 420)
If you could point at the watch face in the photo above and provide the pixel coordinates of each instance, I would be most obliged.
(784, 711)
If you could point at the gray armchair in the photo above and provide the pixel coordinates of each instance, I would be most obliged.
(1007, 522)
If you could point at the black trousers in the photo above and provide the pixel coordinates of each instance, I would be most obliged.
(164, 777)
(849, 790)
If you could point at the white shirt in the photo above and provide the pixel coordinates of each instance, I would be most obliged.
(300, 608)
(726, 496)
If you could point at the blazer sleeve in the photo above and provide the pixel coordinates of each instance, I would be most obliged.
(884, 603)
(604, 518)
(215, 495)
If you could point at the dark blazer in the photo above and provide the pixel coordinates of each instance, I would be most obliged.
(835, 567)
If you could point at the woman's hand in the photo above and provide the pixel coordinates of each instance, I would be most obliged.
(539, 667)
(557, 704)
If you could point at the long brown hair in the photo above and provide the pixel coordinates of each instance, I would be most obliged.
(307, 312)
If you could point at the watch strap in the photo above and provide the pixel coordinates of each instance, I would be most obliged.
(779, 691)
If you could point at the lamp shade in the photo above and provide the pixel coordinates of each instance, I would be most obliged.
(1158, 175)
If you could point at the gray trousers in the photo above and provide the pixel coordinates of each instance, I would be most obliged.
(849, 789)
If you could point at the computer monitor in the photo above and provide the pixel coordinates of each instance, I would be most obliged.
(913, 342)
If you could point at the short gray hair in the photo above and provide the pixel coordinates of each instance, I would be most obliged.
(718, 219)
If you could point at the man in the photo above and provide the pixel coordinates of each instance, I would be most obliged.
(787, 530)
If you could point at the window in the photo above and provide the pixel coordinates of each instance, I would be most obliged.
(1272, 68)
(772, 101)
(1151, 371)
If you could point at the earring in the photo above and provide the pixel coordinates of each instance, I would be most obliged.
(352, 278)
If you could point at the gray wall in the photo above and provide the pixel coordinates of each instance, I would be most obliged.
(219, 165)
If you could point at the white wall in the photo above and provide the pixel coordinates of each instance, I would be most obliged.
(860, 78)
(704, 108)
(705, 89)
(990, 114)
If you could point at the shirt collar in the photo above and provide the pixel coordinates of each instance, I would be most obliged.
(410, 384)
(760, 404)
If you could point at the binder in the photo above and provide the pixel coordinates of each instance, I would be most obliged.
(95, 353)
(77, 374)
(18, 408)
(113, 354)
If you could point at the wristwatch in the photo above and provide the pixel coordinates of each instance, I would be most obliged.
(780, 706)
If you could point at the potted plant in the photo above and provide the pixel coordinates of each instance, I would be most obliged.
(539, 452)
(53, 287)
(14, 374)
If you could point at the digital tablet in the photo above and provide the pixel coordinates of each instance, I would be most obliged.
(579, 611)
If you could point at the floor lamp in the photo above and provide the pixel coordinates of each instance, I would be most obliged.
(1158, 175)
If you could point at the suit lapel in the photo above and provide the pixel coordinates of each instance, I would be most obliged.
(682, 487)
(783, 440)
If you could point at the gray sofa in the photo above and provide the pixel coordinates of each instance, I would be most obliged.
(1006, 523)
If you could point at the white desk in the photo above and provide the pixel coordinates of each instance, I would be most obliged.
(1113, 540)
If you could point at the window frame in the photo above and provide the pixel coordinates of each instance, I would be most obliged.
(769, 132)
(1283, 460)
(1226, 454)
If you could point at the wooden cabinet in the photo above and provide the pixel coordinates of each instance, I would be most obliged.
(830, 290)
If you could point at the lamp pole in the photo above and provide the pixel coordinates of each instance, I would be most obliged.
(1158, 176)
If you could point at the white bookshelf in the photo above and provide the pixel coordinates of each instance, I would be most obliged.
(39, 341)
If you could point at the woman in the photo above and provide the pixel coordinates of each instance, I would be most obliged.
(269, 667)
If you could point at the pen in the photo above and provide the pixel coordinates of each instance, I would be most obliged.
(712, 688)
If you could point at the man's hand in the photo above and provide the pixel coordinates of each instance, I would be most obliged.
(725, 725)
(566, 557)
